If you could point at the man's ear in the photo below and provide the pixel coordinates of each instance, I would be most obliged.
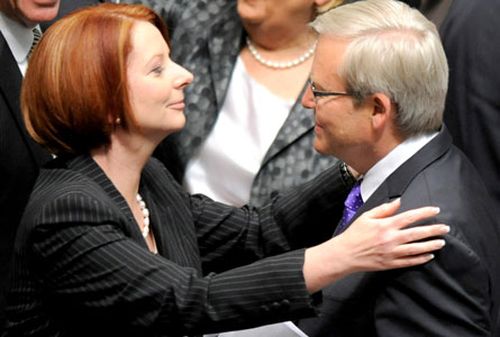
(382, 109)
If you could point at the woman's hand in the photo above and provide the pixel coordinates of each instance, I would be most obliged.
(377, 240)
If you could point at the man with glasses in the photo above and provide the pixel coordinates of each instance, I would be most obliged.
(378, 87)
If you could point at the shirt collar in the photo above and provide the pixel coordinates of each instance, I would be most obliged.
(19, 37)
(387, 165)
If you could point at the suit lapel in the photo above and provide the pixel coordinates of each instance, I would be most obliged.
(89, 168)
(164, 207)
(10, 81)
(299, 121)
(224, 46)
(10, 88)
(395, 185)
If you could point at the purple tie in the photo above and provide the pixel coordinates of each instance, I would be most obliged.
(352, 203)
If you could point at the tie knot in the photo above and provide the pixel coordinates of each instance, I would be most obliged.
(37, 35)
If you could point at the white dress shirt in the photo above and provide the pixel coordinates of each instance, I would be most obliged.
(19, 39)
(390, 163)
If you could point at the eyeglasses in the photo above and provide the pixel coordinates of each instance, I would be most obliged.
(319, 93)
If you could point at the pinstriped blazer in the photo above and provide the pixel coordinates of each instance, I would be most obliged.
(81, 266)
(206, 38)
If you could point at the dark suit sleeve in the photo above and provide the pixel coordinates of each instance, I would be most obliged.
(300, 217)
(449, 296)
(87, 265)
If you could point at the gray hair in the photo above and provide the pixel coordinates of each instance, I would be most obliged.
(395, 50)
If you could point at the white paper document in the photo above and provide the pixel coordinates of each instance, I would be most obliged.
(285, 329)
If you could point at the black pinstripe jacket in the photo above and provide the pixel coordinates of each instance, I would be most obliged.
(81, 266)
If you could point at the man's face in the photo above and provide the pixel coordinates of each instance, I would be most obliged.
(342, 128)
(31, 12)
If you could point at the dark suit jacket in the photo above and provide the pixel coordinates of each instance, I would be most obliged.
(470, 33)
(20, 158)
(456, 294)
(206, 38)
(82, 268)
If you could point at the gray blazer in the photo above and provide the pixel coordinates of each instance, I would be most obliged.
(82, 268)
(206, 38)
(457, 293)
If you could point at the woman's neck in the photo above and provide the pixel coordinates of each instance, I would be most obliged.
(123, 164)
(286, 41)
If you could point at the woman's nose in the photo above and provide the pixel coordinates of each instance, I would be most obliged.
(184, 77)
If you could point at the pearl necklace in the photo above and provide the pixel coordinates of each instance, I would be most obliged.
(145, 215)
(281, 65)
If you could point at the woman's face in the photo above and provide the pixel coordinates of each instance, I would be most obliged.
(155, 83)
(275, 12)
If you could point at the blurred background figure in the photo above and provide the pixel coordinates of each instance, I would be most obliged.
(247, 135)
(468, 30)
(434, 10)
(67, 6)
(470, 35)
(20, 156)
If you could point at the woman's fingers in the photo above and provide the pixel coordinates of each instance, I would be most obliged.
(380, 239)
(412, 216)
(413, 254)
(418, 248)
(421, 233)
(411, 261)
(377, 240)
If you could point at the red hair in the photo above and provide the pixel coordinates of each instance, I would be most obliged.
(75, 88)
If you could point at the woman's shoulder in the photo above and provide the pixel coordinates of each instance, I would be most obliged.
(64, 193)
(61, 177)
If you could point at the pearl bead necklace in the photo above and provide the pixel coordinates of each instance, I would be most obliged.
(280, 65)
(145, 215)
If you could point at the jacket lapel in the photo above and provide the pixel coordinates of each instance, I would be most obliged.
(396, 184)
(89, 168)
(10, 88)
(224, 45)
(299, 121)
